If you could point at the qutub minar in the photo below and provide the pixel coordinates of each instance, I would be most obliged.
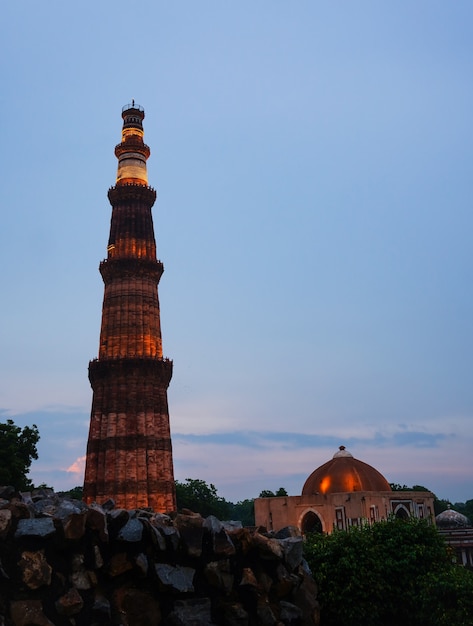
(129, 454)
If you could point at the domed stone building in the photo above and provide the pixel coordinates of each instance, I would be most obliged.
(457, 531)
(341, 493)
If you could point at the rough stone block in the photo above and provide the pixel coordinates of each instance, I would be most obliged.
(97, 520)
(74, 525)
(70, 603)
(193, 612)
(119, 564)
(179, 578)
(293, 551)
(219, 575)
(28, 613)
(35, 570)
(132, 531)
(138, 607)
(38, 527)
(5, 522)
(235, 615)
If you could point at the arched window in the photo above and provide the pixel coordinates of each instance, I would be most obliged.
(401, 512)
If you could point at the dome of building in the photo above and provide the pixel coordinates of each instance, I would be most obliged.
(452, 519)
(342, 474)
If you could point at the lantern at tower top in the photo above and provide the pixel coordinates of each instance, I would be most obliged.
(132, 153)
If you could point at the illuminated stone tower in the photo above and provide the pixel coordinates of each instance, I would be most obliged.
(129, 455)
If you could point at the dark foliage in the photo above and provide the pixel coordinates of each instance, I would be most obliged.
(398, 487)
(243, 511)
(271, 494)
(395, 572)
(17, 450)
(200, 497)
(75, 493)
(466, 508)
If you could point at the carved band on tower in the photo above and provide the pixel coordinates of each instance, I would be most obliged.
(129, 454)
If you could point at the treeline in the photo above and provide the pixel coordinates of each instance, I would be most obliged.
(200, 497)
(18, 448)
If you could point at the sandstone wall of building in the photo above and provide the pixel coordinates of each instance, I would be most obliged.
(342, 510)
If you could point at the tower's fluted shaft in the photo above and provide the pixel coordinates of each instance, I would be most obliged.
(129, 455)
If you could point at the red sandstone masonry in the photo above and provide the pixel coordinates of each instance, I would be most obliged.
(129, 452)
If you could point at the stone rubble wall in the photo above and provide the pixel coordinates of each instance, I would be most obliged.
(65, 563)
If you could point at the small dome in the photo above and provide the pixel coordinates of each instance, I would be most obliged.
(452, 519)
(344, 474)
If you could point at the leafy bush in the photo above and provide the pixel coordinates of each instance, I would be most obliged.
(394, 572)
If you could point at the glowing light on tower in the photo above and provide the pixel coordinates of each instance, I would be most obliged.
(129, 452)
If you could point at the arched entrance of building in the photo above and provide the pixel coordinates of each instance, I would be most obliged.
(311, 523)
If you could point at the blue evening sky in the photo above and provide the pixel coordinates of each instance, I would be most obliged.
(313, 163)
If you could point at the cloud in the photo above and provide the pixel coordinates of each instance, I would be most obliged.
(295, 440)
(78, 467)
(242, 462)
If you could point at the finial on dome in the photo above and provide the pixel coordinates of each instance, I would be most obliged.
(342, 451)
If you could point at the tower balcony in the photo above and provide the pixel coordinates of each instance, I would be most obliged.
(125, 368)
(135, 107)
(132, 192)
(133, 143)
(148, 269)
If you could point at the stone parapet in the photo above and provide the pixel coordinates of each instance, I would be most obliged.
(132, 192)
(140, 368)
(118, 269)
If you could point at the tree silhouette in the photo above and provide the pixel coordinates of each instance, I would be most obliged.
(17, 450)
